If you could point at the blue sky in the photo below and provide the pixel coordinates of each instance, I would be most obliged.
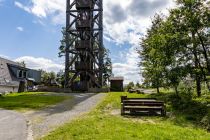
(30, 31)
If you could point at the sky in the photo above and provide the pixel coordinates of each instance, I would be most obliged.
(30, 31)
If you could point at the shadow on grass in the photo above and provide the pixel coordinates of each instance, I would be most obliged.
(49, 103)
(142, 114)
(69, 104)
(29, 102)
(184, 110)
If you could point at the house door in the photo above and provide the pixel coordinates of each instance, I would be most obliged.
(21, 87)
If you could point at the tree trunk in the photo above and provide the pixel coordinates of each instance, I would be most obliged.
(176, 90)
(158, 90)
(205, 54)
(198, 85)
(204, 76)
(208, 85)
(207, 82)
(197, 74)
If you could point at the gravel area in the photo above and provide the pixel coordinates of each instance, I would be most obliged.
(44, 121)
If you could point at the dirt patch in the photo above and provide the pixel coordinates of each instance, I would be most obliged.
(135, 119)
(115, 112)
(141, 120)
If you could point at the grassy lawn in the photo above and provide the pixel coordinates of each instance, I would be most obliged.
(29, 101)
(103, 124)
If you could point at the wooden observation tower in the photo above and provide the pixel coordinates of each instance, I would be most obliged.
(84, 45)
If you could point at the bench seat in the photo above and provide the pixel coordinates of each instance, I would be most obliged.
(143, 107)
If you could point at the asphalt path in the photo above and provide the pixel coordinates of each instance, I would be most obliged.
(44, 121)
(36, 124)
(13, 126)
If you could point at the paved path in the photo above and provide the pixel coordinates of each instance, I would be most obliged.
(13, 126)
(44, 121)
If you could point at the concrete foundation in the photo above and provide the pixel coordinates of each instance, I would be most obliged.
(8, 89)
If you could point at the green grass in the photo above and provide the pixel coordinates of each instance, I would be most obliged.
(29, 101)
(100, 124)
(187, 109)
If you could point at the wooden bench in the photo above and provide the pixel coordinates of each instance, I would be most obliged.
(141, 105)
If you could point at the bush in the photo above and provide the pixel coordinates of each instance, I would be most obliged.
(186, 89)
(195, 110)
(205, 121)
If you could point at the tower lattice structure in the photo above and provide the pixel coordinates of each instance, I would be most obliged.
(84, 44)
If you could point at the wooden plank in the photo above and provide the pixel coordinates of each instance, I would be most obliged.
(140, 99)
(143, 104)
(144, 107)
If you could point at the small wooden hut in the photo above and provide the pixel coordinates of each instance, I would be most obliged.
(116, 84)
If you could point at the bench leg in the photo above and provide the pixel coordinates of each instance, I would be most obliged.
(163, 112)
(122, 111)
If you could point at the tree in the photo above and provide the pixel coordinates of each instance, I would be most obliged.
(60, 78)
(177, 46)
(47, 77)
(65, 43)
(22, 63)
(130, 85)
(192, 17)
(138, 85)
(152, 56)
(107, 68)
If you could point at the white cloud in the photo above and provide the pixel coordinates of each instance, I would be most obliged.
(20, 29)
(130, 30)
(129, 69)
(40, 63)
(20, 5)
(4, 56)
(46, 8)
(125, 21)
(137, 17)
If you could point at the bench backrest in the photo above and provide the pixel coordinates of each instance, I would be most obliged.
(141, 101)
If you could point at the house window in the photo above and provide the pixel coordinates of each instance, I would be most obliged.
(24, 74)
(21, 74)
(1, 66)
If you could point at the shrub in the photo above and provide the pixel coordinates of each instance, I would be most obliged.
(205, 121)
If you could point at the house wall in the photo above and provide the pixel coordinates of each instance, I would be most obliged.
(4, 72)
(36, 75)
(8, 89)
(9, 81)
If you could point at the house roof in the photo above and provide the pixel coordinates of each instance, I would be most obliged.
(6, 76)
(9, 62)
(116, 78)
(9, 69)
